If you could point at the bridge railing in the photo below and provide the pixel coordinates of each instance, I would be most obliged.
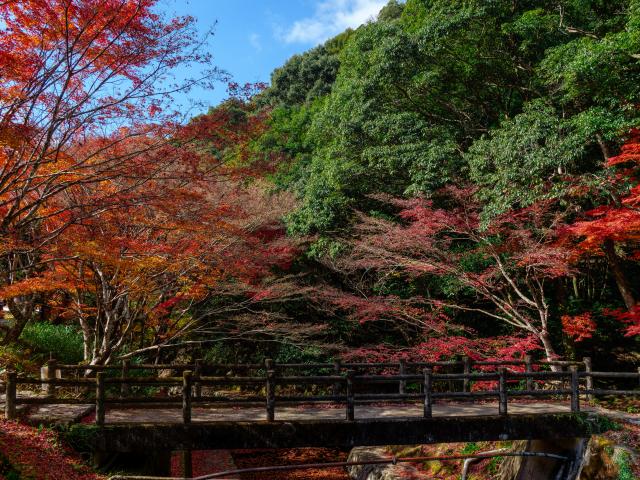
(343, 387)
(54, 370)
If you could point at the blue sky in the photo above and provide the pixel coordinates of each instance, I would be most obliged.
(255, 36)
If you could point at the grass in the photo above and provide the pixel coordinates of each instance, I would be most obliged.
(64, 341)
(623, 462)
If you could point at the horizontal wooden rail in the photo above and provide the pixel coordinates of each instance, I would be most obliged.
(343, 383)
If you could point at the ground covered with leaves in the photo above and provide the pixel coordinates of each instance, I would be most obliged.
(28, 453)
(628, 463)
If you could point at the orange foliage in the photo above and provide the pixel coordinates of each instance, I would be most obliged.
(578, 327)
(619, 222)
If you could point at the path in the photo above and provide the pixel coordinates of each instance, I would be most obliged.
(253, 414)
(165, 415)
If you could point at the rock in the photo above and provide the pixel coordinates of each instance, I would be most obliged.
(380, 472)
(598, 462)
(510, 467)
(540, 467)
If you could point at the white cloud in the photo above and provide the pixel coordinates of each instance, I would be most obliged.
(254, 40)
(330, 18)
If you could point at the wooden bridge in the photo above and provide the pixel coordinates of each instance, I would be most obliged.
(200, 406)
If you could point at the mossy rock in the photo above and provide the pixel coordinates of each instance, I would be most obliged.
(599, 463)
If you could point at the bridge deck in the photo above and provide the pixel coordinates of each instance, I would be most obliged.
(66, 414)
(295, 413)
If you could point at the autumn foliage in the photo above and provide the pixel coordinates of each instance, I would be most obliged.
(612, 231)
(505, 265)
(38, 454)
(157, 233)
(115, 212)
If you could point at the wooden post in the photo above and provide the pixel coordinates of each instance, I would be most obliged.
(466, 364)
(187, 383)
(350, 398)
(187, 464)
(528, 368)
(52, 366)
(502, 391)
(575, 389)
(124, 387)
(588, 368)
(271, 395)
(10, 411)
(198, 374)
(402, 370)
(428, 400)
(337, 370)
(100, 398)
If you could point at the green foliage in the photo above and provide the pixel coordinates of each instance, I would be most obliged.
(391, 11)
(80, 437)
(524, 159)
(522, 100)
(599, 423)
(304, 77)
(7, 471)
(511, 97)
(295, 354)
(64, 341)
(470, 448)
(623, 462)
(326, 247)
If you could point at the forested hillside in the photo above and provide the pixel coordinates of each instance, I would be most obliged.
(453, 177)
(459, 179)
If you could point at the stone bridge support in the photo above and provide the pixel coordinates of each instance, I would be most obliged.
(541, 468)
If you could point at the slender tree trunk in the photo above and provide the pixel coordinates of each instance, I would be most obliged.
(604, 148)
(549, 352)
(618, 274)
(21, 318)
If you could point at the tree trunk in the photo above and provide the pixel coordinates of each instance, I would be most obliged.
(618, 274)
(20, 321)
(604, 148)
(549, 352)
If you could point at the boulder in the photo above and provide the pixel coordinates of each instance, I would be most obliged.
(599, 460)
(399, 471)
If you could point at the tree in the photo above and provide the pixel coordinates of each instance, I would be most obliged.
(526, 159)
(141, 275)
(303, 78)
(73, 70)
(498, 93)
(504, 270)
(613, 230)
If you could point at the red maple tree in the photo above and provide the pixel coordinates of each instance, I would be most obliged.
(80, 81)
(508, 264)
(613, 230)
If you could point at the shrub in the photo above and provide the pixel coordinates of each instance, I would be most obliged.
(64, 341)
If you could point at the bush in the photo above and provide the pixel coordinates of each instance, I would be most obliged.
(64, 341)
